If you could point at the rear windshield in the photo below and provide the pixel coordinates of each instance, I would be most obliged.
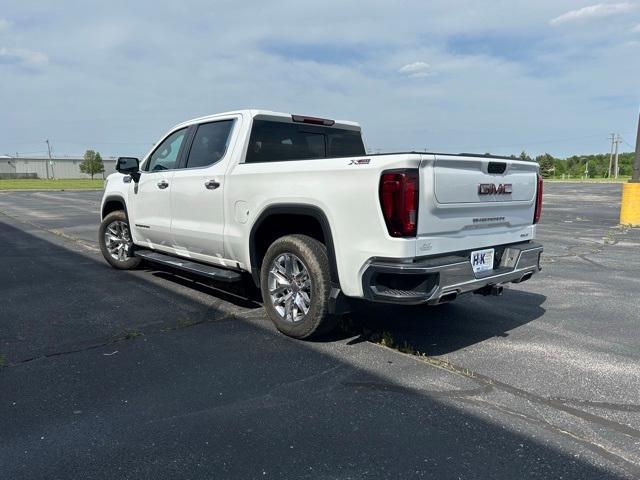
(278, 141)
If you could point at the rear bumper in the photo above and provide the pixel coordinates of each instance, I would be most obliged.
(441, 279)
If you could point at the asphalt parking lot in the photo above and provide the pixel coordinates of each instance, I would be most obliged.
(147, 374)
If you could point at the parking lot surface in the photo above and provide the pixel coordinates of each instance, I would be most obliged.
(149, 374)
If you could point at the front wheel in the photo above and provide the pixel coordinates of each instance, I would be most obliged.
(295, 280)
(115, 241)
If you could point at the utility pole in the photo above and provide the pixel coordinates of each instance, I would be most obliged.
(586, 168)
(630, 203)
(613, 136)
(50, 161)
(635, 176)
(618, 140)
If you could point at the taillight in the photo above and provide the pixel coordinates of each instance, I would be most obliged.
(399, 195)
(538, 210)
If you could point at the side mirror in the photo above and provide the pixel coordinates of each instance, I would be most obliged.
(129, 166)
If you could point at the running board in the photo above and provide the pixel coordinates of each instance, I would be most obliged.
(215, 273)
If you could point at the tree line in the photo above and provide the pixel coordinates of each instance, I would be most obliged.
(575, 166)
(550, 166)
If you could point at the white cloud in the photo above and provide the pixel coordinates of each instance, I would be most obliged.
(23, 57)
(636, 29)
(416, 70)
(488, 66)
(593, 11)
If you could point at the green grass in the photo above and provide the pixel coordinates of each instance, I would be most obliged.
(40, 184)
(588, 180)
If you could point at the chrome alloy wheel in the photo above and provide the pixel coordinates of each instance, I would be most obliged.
(289, 287)
(117, 239)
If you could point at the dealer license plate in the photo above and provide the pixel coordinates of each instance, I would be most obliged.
(482, 260)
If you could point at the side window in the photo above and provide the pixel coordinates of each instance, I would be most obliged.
(345, 143)
(166, 155)
(209, 143)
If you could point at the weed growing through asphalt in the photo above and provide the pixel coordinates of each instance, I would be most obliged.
(184, 323)
(131, 334)
(384, 339)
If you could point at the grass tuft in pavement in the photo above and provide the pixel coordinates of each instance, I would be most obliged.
(131, 334)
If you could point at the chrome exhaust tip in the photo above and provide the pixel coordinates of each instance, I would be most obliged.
(524, 278)
(448, 297)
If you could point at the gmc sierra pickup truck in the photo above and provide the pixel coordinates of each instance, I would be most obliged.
(297, 206)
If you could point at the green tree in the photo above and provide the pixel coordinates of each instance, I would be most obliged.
(560, 166)
(524, 156)
(92, 163)
(100, 163)
(547, 165)
(596, 169)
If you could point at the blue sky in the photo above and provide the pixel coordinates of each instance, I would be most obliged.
(457, 75)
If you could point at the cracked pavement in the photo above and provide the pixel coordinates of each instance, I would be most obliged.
(148, 374)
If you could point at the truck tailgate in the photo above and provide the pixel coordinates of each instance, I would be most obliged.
(464, 195)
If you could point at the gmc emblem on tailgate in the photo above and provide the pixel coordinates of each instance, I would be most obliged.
(492, 189)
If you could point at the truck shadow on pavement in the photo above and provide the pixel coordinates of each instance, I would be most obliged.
(432, 330)
(236, 294)
(227, 396)
(441, 329)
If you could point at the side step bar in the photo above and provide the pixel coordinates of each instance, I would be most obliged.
(215, 273)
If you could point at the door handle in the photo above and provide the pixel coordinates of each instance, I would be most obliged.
(162, 184)
(211, 184)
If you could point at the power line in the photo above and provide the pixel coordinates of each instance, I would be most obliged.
(528, 144)
(84, 142)
(627, 142)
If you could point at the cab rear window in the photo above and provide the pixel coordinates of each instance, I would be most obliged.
(279, 141)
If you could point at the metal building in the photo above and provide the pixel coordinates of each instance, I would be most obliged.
(59, 167)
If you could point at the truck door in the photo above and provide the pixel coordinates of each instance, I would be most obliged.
(150, 198)
(197, 193)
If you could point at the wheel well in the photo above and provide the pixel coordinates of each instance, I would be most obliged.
(112, 205)
(272, 226)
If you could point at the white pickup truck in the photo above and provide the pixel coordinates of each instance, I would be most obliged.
(296, 205)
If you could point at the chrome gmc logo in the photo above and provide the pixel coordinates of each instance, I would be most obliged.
(492, 189)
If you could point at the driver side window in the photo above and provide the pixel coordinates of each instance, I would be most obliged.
(165, 156)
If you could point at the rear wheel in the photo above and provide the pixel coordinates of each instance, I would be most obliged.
(115, 241)
(296, 282)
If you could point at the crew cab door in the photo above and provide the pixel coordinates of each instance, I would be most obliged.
(197, 193)
(150, 198)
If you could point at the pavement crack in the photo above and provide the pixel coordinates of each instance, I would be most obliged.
(58, 233)
(614, 457)
(388, 387)
(619, 407)
(532, 397)
(127, 335)
(68, 352)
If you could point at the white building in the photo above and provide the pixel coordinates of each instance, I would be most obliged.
(39, 167)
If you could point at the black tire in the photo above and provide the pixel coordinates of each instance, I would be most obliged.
(129, 262)
(313, 256)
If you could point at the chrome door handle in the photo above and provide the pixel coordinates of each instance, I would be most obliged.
(162, 184)
(211, 184)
